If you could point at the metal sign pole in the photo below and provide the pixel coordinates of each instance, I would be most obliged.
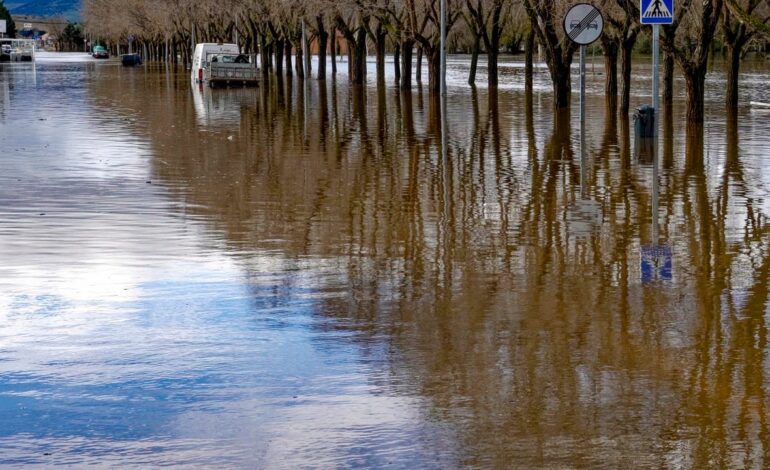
(582, 86)
(583, 170)
(656, 120)
(655, 75)
(443, 47)
(307, 53)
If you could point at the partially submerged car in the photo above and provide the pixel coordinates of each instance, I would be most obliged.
(100, 52)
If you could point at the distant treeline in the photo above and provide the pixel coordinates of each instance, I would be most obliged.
(409, 29)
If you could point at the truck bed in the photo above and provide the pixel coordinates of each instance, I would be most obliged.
(231, 74)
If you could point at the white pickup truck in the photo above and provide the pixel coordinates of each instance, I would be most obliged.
(223, 64)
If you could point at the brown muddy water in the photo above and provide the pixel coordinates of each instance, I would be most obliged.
(310, 276)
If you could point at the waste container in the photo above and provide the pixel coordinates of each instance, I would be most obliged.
(131, 60)
(644, 122)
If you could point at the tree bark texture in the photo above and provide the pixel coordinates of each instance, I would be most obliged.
(406, 64)
(474, 59)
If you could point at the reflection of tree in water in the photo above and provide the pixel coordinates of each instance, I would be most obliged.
(539, 347)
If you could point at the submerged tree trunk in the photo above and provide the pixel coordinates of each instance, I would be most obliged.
(397, 63)
(434, 69)
(529, 58)
(359, 58)
(418, 66)
(611, 48)
(562, 88)
(492, 71)
(263, 55)
(299, 63)
(733, 64)
(474, 59)
(695, 84)
(279, 57)
(323, 39)
(287, 54)
(406, 64)
(379, 44)
(625, 95)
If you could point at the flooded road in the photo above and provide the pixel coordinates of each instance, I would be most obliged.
(308, 276)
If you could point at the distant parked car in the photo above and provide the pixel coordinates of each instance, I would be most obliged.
(100, 52)
(5, 49)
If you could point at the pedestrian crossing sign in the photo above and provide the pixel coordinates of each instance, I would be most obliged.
(657, 11)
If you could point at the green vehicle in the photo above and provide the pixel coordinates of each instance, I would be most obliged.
(100, 52)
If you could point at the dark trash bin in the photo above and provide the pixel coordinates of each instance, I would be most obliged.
(131, 60)
(644, 122)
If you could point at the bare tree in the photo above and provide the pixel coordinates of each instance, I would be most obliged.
(742, 20)
(545, 17)
(691, 46)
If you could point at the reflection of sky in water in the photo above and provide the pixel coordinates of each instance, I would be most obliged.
(201, 359)
(126, 335)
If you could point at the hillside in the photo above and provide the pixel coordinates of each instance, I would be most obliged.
(67, 8)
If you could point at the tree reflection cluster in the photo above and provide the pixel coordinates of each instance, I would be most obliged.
(538, 342)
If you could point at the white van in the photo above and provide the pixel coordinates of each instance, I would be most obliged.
(222, 63)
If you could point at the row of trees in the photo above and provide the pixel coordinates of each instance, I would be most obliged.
(10, 26)
(280, 29)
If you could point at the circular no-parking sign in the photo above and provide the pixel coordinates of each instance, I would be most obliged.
(583, 24)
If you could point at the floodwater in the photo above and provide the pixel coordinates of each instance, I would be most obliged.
(322, 276)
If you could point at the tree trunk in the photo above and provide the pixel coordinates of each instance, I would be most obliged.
(611, 74)
(263, 55)
(287, 54)
(434, 69)
(379, 44)
(397, 63)
(359, 58)
(307, 56)
(695, 81)
(733, 64)
(279, 57)
(562, 85)
(323, 40)
(492, 77)
(625, 95)
(474, 59)
(299, 63)
(668, 81)
(493, 46)
(418, 66)
(406, 64)
(334, 50)
(529, 58)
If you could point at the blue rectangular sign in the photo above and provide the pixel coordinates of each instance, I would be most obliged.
(657, 11)
(657, 264)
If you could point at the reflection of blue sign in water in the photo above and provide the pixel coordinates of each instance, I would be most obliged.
(657, 263)
(657, 11)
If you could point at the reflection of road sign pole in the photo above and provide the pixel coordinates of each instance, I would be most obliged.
(583, 25)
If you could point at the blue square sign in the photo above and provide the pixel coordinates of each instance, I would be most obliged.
(657, 11)
(657, 263)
